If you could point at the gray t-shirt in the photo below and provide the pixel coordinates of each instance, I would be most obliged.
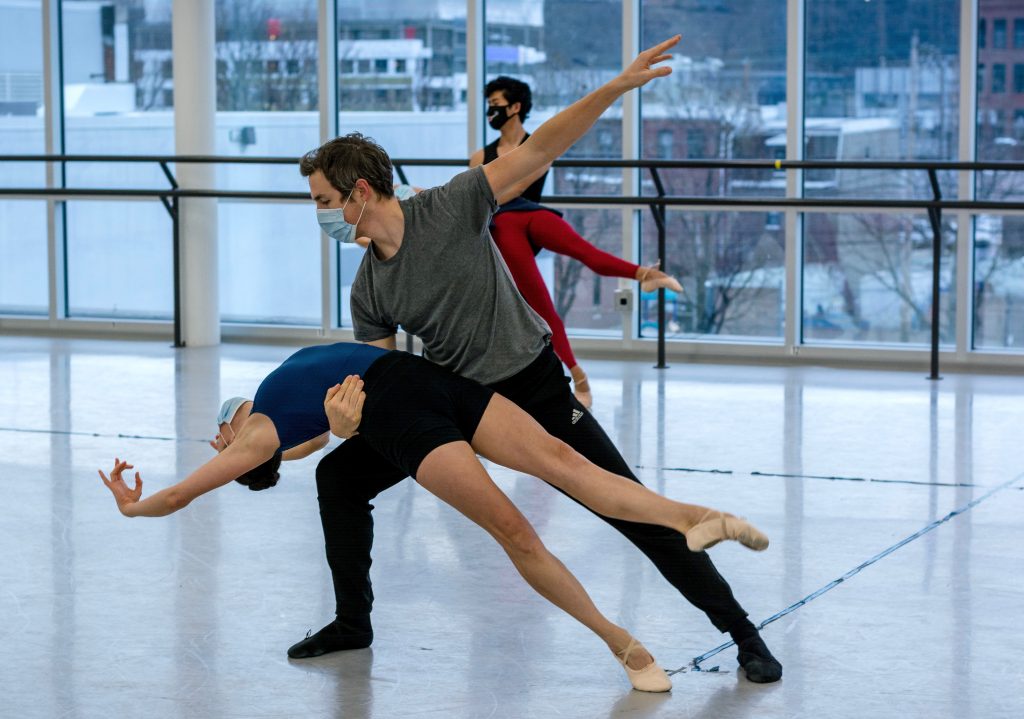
(449, 286)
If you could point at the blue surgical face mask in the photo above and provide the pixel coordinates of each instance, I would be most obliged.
(229, 409)
(333, 223)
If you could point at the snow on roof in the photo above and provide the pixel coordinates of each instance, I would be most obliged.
(381, 49)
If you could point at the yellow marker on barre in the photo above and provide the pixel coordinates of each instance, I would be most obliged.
(778, 164)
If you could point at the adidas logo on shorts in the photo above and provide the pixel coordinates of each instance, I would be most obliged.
(576, 414)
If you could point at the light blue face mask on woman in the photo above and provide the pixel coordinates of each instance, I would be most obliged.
(229, 409)
(333, 223)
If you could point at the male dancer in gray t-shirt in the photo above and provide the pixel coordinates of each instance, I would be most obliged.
(433, 270)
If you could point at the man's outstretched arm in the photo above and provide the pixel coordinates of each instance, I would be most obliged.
(558, 134)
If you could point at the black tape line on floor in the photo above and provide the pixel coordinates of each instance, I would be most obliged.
(694, 664)
(69, 433)
(684, 469)
(830, 478)
(864, 479)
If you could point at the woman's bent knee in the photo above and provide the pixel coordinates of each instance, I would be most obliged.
(519, 538)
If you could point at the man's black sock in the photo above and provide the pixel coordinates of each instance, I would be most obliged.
(742, 630)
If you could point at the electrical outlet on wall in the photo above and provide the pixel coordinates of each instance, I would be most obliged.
(624, 298)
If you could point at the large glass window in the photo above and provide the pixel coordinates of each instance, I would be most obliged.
(999, 103)
(267, 103)
(402, 78)
(868, 278)
(23, 253)
(998, 286)
(999, 282)
(118, 96)
(733, 276)
(890, 90)
(885, 92)
(725, 99)
(564, 49)
(21, 92)
(402, 81)
(269, 263)
(113, 272)
(24, 285)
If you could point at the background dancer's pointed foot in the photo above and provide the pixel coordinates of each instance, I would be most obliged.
(584, 397)
(648, 678)
(581, 387)
(716, 526)
(339, 635)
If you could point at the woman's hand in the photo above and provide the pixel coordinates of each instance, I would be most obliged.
(223, 439)
(122, 495)
(344, 406)
(642, 70)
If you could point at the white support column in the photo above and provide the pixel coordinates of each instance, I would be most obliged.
(327, 81)
(329, 69)
(195, 105)
(53, 138)
(631, 151)
(476, 71)
(794, 178)
(965, 180)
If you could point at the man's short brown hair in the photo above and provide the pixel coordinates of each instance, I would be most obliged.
(349, 158)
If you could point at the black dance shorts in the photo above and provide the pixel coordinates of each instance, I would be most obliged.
(414, 406)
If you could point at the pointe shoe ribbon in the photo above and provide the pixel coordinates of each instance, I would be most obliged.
(716, 526)
(651, 678)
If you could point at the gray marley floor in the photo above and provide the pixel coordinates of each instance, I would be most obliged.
(190, 616)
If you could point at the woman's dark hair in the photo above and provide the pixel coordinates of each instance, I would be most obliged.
(264, 476)
(515, 91)
(349, 158)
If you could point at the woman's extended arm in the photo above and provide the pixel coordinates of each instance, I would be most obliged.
(558, 134)
(252, 449)
(477, 158)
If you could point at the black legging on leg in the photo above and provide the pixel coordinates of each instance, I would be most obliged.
(346, 480)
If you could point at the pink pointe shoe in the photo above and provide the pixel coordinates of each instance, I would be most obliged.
(716, 526)
(651, 678)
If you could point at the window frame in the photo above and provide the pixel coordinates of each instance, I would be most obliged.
(974, 31)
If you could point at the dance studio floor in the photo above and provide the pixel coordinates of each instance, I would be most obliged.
(895, 576)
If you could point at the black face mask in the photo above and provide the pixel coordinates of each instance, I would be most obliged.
(496, 118)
